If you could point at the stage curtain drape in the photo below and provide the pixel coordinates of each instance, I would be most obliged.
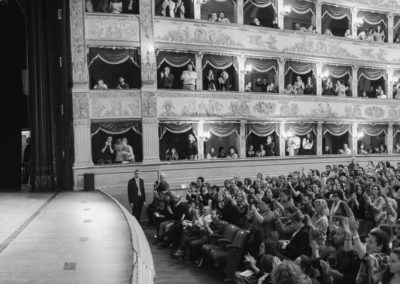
(220, 62)
(301, 129)
(262, 3)
(221, 129)
(262, 130)
(336, 13)
(371, 74)
(262, 65)
(175, 59)
(372, 130)
(396, 27)
(373, 18)
(113, 56)
(337, 71)
(177, 128)
(299, 67)
(301, 7)
(396, 129)
(115, 128)
(336, 129)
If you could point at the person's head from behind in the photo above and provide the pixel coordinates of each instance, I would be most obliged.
(306, 265)
(287, 272)
(267, 263)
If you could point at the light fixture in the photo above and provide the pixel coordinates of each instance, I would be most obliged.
(325, 75)
(205, 136)
(396, 79)
(288, 134)
(286, 10)
(359, 22)
(249, 68)
(201, 2)
(360, 135)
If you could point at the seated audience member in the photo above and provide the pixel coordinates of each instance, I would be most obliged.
(248, 87)
(381, 95)
(127, 152)
(270, 147)
(222, 18)
(361, 149)
(210, 79)
(309, 88)
(189, 78)
(212, 154)
(262, 84)
(161, 185)
(171, 155)
(294, 145)
(166, 78)
(122, 85)
(396, 91)
(370, 35)
(371, 93)
(346, 150)
(299, 86)
(213, 17)
(297, 26)
(289, 90)
(364, 95)
(340, 88)
(328, 89)
(363, 35)
(327, 150)
(250, 152)
(255, 22)
(261, 151)
(328, 32)
(224, 83)
(118, 151)
(232, 153)
(312, 29)
(272, 88)
(379, 34)
(107, 152)
(347, 34)
(115, 6)
(100, 85)
(179, 9)
(168, 8)
(221, 152)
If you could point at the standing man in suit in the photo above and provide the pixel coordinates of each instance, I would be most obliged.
(136, 195)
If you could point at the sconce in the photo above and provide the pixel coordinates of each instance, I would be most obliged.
(205, 136)
(359, 21)
(288, 134)
(396, 80)
(325, 75)
(286, 10)
(360, 135)
(201, 2)
(249, 68)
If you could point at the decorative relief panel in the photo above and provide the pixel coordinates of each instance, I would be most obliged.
(80, 105)
(149, 104)
(267, 107)
(271, 42)
(114, 104)
(120, 28)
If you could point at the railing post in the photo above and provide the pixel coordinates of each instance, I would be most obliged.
(389, 141)
(354, 85)
(354, 139)
(282, 140)
(319, 138)
(281, 75)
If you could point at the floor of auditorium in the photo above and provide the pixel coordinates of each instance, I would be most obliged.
(69, 237)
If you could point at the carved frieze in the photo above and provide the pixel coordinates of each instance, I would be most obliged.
(100, 27)
(209, 37)
(267, 107)
(80, 105)
(149, 104)
(114, 104)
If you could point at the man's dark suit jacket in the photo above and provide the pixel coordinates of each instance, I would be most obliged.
(133, 191)
(300, 244)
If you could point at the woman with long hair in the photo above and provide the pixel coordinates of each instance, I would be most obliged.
(320, 220)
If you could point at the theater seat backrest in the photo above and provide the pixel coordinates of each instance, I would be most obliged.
(241, 238)
(230, 232)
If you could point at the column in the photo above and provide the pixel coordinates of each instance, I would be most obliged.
(389, 82)
(354, 15)
(319, 138)
(82, 144)
(318, 17)
(354, 139)
(281, 75)
(242, 72)
(242, 139)
(147, 51)
(199, 71)
(390, 27)
(151, 140)
(281, 15)
(319, 78)
(200, 140)
(239, 11)
(389, 137)
(354, 85)
(282, 140)
(197, 10)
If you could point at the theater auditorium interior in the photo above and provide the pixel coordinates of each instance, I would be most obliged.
(200, 141)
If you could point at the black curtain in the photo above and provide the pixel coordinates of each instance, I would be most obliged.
(50, 100)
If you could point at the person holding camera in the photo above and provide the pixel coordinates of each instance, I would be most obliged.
(107, 152)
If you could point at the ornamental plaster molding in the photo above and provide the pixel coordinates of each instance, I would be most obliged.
(120, 105)
(149, 104)
(94, 94)
(103, 27)
(80, 104)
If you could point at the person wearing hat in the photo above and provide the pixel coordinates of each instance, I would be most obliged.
(136, 194)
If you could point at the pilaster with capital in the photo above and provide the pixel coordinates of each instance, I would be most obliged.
(281, 75)
(390, 82)
(242, 139)
(200, 141)
(151, 140)
(199, 71)
(389, 138)
(354, 85)
(354, 139)
(147, 51)
(282, 141)
(281, 15)
(354, 15)
(319, 138)
(197, 10)
(239, 11)
(390, 27)
(318, 17)
(242, 72)
(319, 79)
